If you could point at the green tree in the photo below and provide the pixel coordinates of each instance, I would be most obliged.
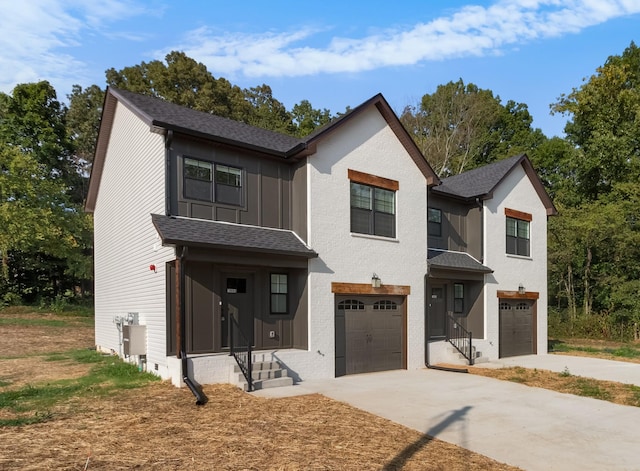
(44, 236)
(186, 82)
(83, 122)
(307, 118)
(605, 124)
(33, 121)
(267, 112)
(461, 126)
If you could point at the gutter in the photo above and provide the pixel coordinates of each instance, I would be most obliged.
(426, 340)
(201, 398)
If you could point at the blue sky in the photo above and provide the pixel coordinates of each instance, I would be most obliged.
(333, 53)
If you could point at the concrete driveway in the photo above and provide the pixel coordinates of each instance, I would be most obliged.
(532, 428)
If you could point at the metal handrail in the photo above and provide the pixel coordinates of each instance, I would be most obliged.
(242, 352)
(460, 338)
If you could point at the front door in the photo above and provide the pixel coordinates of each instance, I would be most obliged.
(237, 301)
(437, 311)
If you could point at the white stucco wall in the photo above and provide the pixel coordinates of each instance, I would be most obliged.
(515, 192)
(366, 144)
(126, 242)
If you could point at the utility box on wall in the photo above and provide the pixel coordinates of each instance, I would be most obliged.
(134, 339)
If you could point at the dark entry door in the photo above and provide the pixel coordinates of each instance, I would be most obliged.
(369, 334)
(437, 311)
(516, 328)
(237, 301)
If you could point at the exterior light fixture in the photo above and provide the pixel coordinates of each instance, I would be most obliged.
(521, 289)
(375, 281)
(152, 268)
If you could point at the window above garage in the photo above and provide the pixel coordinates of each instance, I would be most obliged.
(373, 204)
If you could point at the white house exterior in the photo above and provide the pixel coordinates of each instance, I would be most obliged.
(315, 249)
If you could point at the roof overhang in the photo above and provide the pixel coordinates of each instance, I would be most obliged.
(217, 235)
(454, 262)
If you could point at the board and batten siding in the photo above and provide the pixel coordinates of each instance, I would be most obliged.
(126, 242)
(365, 144)
(515, 192)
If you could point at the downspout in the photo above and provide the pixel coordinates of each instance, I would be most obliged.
(480, 207)
(201, 398)
(168, 140)
(427, 336)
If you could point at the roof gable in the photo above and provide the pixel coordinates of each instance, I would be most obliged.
(382, 106)
(482, 181)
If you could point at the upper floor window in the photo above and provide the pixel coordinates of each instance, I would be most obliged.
(208, 181)
(518, 232)
(373, 204)
(434, 222)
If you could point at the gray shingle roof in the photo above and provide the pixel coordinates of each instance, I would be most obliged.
(460, 261)
(222, 235)
(479, 181)
(161, 113)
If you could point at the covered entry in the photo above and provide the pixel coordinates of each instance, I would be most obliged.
(517, 327)
(370, 333)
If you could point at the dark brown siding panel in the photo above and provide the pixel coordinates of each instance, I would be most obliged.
(270, 197)
(475, 317)
(226, 214)
(267, 185)
(201, 211)
(200, 305)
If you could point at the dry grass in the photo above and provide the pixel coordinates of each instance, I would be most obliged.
(159, 427)
(617, 393)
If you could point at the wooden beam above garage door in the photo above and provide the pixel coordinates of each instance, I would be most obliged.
(516, 295)
(366, 288)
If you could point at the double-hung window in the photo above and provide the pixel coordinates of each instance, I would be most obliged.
(518, 233)
(434, 224)
(279, 291)
(373, 205)
(209, 181)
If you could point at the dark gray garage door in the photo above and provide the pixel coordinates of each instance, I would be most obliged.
(369, 334)
(516, 328)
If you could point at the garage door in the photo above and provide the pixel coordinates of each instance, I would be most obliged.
(516, 328)
(369, 334)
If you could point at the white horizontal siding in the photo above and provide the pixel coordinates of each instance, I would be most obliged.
(126, 243)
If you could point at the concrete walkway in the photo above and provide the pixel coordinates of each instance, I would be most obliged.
(532, 428)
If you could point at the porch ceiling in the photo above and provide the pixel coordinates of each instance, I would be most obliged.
(222, 235)
(454, 261)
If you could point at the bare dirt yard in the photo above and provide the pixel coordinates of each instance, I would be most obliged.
(159, 427)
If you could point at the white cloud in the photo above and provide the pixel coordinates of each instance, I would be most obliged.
(38, 38)
(473, 30)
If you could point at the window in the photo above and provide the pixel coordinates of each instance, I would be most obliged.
(434, 224)
(385, 305)
(517, 237)
(279, 291)
(373, 210)
(351, 305)
(458, 297)
(208, 181)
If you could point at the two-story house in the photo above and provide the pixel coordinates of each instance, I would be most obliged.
(315, 251)
(488, 260)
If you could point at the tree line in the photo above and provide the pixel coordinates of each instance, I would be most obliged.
(592, 174)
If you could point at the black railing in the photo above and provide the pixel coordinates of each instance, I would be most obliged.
(240, 348)
(460, 338)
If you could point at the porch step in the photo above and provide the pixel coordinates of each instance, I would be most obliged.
(265, 374)
(478, 358)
